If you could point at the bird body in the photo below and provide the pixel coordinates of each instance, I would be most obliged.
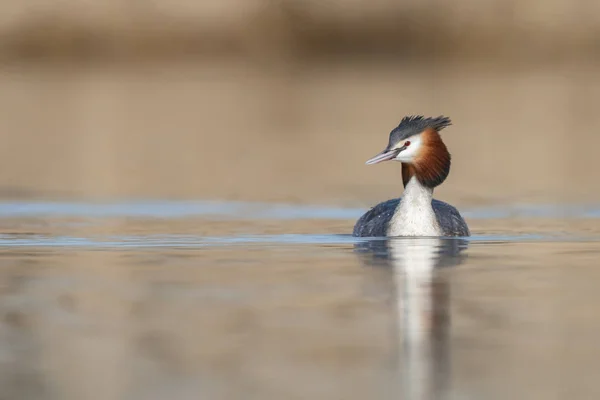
(425, 165)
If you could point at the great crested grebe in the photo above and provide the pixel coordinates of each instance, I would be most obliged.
(417, 144)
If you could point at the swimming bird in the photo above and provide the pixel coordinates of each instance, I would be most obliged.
(417, 144)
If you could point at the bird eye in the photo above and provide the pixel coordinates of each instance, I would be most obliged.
(407, 143)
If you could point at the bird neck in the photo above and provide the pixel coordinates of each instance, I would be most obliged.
(414, 215)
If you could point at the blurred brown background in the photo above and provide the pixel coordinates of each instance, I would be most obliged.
(284, 100)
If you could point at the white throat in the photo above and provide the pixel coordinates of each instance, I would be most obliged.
(414, 215)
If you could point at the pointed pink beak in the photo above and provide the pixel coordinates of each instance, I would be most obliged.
(385, 155)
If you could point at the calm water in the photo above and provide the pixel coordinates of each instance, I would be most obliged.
(188, 300)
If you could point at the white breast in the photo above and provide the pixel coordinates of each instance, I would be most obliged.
(414, 215)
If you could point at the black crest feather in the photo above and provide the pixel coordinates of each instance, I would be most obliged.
(415, 124)
(420, 122)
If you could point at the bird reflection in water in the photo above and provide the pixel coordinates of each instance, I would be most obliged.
(421, 302)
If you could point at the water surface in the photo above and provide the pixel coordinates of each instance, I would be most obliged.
(190, 300)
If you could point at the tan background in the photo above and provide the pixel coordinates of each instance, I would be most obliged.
(285, 100)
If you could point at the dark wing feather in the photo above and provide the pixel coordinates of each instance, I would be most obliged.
(375, 222)
(449, 219)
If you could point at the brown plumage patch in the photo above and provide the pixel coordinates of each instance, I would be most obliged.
(432, 164)
(408, 171)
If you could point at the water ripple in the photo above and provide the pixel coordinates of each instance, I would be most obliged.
(248, 210)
